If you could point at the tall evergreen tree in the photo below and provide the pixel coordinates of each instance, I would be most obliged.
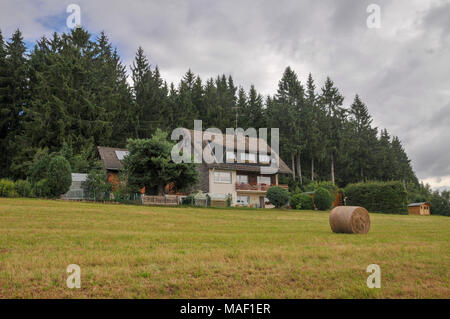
(331, 100)
(15, 89)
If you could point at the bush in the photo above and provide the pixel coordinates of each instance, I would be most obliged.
(23, 188)
(41, 189)
(59, 176)
(302, 201)
(188, 200)
(440, 203)
(382, 197)
(323, 199)
(278, 196)
(7, 188)
(38, 168)
(332, 188)
(96, 185)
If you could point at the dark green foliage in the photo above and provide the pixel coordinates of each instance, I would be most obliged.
(23, 188)
(323, 199)
(37, 170)
(328, 185)
(41, 189)
(59, 176)
(96, 185)
(150, 165)
(382, 197)
(278, 196)
(302, 201)
(189, 200)
(440, 203)
(7, 188)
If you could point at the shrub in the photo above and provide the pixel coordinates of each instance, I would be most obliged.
(59, 176)
(188, 200)
(41, 189)
(96, 185)
(23, 188)
(382, 197)
(440, 203)
(7, 188)
(323, 199)
(38, 168)
(278, 196)
(328, 185)
(302, 201)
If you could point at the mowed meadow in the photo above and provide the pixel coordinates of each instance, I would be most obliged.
(127, 251)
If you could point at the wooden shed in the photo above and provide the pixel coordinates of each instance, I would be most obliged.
(423, 208)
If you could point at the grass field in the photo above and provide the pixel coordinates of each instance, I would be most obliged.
(158, 252)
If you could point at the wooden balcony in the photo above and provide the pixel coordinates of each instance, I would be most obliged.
(256, 187)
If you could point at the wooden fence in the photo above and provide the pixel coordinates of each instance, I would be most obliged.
(166, 200)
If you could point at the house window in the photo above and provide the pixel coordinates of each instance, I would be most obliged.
(264, 180)
(243, 200)
(263, 158)
(248, 157)
(251, 157)
(231, 157)
(242, 179)
(222, 177)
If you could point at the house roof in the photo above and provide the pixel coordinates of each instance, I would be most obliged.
(417, 204)
(110, 160)
(109, 157)
(251, 144)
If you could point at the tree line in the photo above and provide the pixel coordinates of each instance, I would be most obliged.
(70, 93)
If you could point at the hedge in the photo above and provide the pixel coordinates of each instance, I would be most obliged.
(382, 197)
(323, 199)
(278, 196)
(23, 188)
(7, 188)
(302, 201)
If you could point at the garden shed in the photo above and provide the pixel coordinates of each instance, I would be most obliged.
(423, 208)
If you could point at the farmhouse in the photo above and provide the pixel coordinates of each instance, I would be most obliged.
(241, 179)
(419, 208)
(112, 162)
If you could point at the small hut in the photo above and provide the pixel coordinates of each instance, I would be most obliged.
(423, 208)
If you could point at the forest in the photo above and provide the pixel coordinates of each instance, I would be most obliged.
(71, 92)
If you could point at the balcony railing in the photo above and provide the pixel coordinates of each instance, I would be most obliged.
(256, 187)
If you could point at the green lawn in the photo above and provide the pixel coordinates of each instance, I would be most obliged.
(157, 252)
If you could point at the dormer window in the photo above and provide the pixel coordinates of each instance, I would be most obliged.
(231, 157)
(264, 158)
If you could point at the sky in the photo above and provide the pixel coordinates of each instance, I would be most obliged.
(400, 69)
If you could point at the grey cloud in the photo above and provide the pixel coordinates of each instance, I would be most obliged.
(400, 70)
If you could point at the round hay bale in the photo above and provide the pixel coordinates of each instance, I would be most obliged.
(350, 220)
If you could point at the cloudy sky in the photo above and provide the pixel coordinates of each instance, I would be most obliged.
(401, 70)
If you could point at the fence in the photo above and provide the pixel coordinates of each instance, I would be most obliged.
(166, 200)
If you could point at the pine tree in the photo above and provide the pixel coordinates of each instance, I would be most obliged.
(331, 100)
(363, 134)
(15, 99)
(285, 111)
(4, 111)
